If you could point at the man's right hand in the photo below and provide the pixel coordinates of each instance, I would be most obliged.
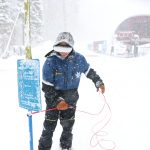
(62, 105)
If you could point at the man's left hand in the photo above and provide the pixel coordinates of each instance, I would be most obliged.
(101, 89)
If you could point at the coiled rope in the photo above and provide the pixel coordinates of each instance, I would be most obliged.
(97, 138)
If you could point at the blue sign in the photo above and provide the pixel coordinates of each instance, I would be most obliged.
(29, 92)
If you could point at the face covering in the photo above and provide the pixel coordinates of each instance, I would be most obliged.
(62, 49)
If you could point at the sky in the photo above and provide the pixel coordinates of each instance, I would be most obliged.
(121, 116)
(100, 18)
(90, 20)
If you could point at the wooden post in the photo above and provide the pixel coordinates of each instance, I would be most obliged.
(27, 37)
(27, 42)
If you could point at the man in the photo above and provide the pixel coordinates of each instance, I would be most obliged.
(61, 77)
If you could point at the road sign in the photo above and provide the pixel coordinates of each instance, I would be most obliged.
(29, 94)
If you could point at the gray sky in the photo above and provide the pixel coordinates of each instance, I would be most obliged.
(99, 18)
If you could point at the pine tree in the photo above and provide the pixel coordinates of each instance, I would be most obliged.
(36, 20)
(6, 22)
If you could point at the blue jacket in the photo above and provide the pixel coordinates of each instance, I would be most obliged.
(64, 74)
(61, 77)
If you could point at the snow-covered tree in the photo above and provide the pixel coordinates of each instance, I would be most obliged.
(47, 19)
(36, 20)
(12, 24)
(6, 22)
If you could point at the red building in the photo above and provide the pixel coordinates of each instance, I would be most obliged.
(132, 27)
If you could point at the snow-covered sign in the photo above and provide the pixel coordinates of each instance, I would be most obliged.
(29, 84)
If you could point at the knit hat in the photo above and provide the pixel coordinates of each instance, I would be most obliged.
(64, 37)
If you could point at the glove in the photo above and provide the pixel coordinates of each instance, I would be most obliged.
(101, 88)
(62, 105)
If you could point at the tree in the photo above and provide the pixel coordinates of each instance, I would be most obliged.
(12, 24)
(36, 20)
(6, 22)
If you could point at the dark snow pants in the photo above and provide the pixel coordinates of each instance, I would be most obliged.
(67, 118)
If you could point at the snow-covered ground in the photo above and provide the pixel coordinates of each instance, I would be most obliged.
(122, 124)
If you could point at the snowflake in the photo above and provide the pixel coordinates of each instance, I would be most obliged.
(78, 74)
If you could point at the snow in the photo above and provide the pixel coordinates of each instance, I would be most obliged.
(121, 119)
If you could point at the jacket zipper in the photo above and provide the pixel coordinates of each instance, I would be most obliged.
(65, 75)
